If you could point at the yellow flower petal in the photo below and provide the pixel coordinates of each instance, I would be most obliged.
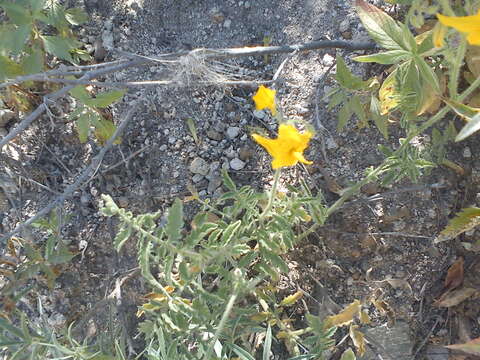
(469, 25)
(287, 149)
(439, 32)
(265, 99)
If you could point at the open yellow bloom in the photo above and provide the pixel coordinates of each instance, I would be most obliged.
(287, 149)
(265, 99)
(469, 25)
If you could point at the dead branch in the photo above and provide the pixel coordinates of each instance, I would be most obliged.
(96, 161)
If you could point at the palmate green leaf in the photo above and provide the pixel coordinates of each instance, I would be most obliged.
(381, 27)
(381, 121)
(82, 124)
(76, 16)
(104, 128)
(104, 99)
(465, 220)
(59, 46)
(33, 62)
(344, 115)
(174, 224)
(336, 99)
(427, 74)
(386, 58)
(80, 93)
(345, 77)
(9, 69)
(358, 109)
(16, 13)
(14, 38)
(472, 126)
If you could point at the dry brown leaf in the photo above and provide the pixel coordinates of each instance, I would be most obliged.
(454, 275)
(364, 317)
(399, 284)
(358, 339)
(345, 317)
(472, 347)
(455, 297)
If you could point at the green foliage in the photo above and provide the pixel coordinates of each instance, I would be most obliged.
(86, 114)
(199, 267)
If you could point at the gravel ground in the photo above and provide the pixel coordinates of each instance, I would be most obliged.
(381, 247)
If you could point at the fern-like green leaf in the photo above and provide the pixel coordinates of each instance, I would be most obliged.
(465, 220)
(175, 221)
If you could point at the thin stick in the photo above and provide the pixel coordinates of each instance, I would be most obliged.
(80, 179)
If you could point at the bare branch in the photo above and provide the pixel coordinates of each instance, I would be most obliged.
(80, 179)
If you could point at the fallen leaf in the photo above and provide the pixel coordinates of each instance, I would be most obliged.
(358, 339)
(292, 299)
(454, 275)
(455, 297)
(472, 347)
(399, 284)
(345, 317)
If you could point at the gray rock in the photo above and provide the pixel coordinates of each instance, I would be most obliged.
(467, 153)
(107, 39)
(328, 60)
(199, 166)
(233, 131)
(237, 164)
(214, 135)
(5, 116)
(259, 114)
(197, 178)
(389, 340)
(227, 24)
(214, 184)
(344, 25)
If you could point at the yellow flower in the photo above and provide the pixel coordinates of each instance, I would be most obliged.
(287, 149)
(265, 99)
(469, 25)
(439, 31)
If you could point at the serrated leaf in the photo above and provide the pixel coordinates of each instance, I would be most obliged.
(34, 62)
(348, 355)
(105, 99)
(465, 220)
(358, 110)
(17, 13)
(388, 94)
(174, 225)
(59, 46)
(381, 121)
(427, 74)
(230, 232)
(471, 347)
(345, 317)
(344, 115)
(122, 236)
(380, 26)
(9, 69)
(80, 93)
(385, 58)
(109, 208)
(345, 77)
(82, 124)
(76, 16)
(104, 128)
(336, 99)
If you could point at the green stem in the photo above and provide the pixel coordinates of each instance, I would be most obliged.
(352, 190)
(447, 9)
(221, 325)
(455, 73)
(273, 193)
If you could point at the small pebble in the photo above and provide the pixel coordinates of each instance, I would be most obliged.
(467, 153)
(237, 164)
(233, 131)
